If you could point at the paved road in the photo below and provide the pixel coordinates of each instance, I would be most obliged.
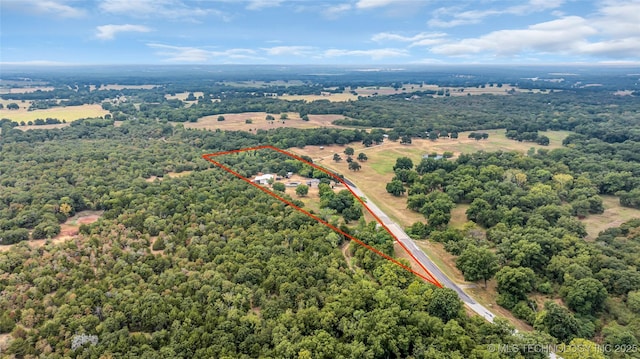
(423, 257)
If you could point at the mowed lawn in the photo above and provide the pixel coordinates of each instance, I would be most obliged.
(378, 170)
(69, 113)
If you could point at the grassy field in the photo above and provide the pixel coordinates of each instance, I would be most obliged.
(237, 122)
(8, 90)
(122, 87)
(406, 89)
(613, 216)
(378, 170)
(69, 113)
(333, 97)
(182, 96)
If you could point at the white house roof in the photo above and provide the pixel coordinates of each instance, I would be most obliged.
(264, 177)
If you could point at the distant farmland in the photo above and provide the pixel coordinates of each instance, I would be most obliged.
(69, 113)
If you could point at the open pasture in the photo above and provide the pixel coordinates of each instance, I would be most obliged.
(238, 122)
(69, 113)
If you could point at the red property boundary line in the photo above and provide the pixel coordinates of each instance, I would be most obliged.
(430, 278)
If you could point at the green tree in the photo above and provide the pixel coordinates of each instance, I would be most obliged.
(437, 208)
(586, 296)
(349, 151)
(302, 190)
(279, 186)
(403, 163)
(336, 157)
(406, 140)
(477, 263)
(354, 166)
(633, 301)
(514, 284)
(444, 304)
(395, 187)
(557, 321)
(362, 157)
(220, 118)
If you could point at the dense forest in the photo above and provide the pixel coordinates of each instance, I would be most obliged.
(186, 261)
(202, 265)
(530, 206)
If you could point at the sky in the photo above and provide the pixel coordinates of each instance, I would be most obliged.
(337, 32)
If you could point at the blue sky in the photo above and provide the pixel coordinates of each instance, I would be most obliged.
(319, 32)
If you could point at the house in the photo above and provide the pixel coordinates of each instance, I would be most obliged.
(263, 179)
(314, 182)
(437, 157)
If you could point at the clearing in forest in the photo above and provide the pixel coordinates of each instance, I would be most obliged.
(68, 113)
(210, 157)
(613, 216)
(68, 230)
(253, 121)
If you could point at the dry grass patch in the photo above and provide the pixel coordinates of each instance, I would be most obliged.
(122, 87)
(237, 122)
(69, 113)
(24, 105)
(25, 89)
(613, 216)
(333, 97)
(182, 96)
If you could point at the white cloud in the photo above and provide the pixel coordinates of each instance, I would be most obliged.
(369, 4)
(108, 32)
(562, 35)
(169, 9)
(52, 7)
(336, 11)
(261, 4)
(375, 54)
(181, 54)
(420, 39)
(289, 50)
(619, 19)
(613, 31)
(459, 17)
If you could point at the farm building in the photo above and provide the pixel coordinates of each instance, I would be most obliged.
(263, 179)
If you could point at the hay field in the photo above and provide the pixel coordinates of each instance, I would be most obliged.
(236, 122)
(333, 97)
(8, 90)
(182, 96)
(69, 113)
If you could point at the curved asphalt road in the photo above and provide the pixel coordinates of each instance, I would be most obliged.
(422, 257)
